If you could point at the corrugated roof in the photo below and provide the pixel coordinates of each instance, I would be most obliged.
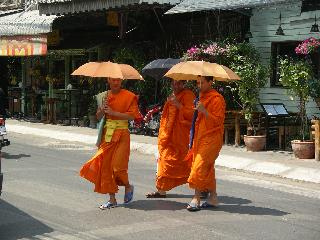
(75, 6)
(172, 2)
(205, 5)
(25, 23)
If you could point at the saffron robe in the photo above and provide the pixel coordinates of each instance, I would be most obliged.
(108, 168)
(207, 142)
(173, 170)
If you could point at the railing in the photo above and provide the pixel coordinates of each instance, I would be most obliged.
(316, 136)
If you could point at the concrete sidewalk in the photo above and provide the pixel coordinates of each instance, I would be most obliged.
(277, 163)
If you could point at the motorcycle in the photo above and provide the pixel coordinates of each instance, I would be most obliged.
(136, 126)
(150, 123)
(3, 133)
(152, 120)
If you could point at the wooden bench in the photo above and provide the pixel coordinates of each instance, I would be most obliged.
(315, 127)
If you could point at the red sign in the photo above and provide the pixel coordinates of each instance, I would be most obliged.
(23, 45)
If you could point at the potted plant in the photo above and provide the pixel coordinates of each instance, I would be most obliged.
(296, 75)
(253, 77)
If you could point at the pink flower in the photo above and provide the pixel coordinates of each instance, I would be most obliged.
(307, 46)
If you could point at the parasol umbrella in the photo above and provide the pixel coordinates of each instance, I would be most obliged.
(107, 69)
(157, 68)
(191, 69)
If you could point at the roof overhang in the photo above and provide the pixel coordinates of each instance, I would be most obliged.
(57, 7)
(207, 5)
(25, 23)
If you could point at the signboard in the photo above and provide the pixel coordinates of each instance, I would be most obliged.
(23, 45)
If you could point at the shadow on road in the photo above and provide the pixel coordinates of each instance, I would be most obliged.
(250, 210)
(16, 224)
(12, 156)
(233, 200)
(237, 205)
(227, 204)
(148, 205)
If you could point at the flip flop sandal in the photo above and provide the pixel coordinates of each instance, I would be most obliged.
(193, 207)
(108, 205)
(155, 195)
(208, 205)
(128, 196)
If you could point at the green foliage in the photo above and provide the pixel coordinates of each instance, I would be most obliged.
(253, 77)
(297, 76)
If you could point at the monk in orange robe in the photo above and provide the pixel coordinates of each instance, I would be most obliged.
(108, 169)
(207, 143)
(173, 170)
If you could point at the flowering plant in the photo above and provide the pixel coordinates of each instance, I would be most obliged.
(307, 46)
(214, 49)
(210, 51)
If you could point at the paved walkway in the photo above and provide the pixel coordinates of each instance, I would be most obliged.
(278, 163)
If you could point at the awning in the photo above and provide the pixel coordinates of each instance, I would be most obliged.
(206, 5)
(25, 23)
(49, 7)
(74, 6)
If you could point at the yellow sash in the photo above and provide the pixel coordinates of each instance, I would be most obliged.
(112, 125)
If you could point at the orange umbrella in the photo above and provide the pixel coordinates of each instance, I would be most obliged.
(191, 69)
(107, 69)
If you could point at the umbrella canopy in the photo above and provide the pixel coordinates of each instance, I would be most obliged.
(108, 69)
(157, 68)
(191, 69)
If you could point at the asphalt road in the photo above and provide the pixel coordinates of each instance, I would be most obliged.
(44, 198)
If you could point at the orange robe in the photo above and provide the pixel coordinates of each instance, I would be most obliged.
(108, 169)
(173, 169)
(207, 143)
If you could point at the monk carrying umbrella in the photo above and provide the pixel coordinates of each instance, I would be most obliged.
(173, 170)
(108, 168)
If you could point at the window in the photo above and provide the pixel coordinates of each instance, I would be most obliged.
(281, 49)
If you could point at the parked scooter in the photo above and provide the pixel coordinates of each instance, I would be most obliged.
(3, 133)
(152, 120)
(150, 123)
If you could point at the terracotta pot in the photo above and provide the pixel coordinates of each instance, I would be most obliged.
(255, 143)
(303, 149)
